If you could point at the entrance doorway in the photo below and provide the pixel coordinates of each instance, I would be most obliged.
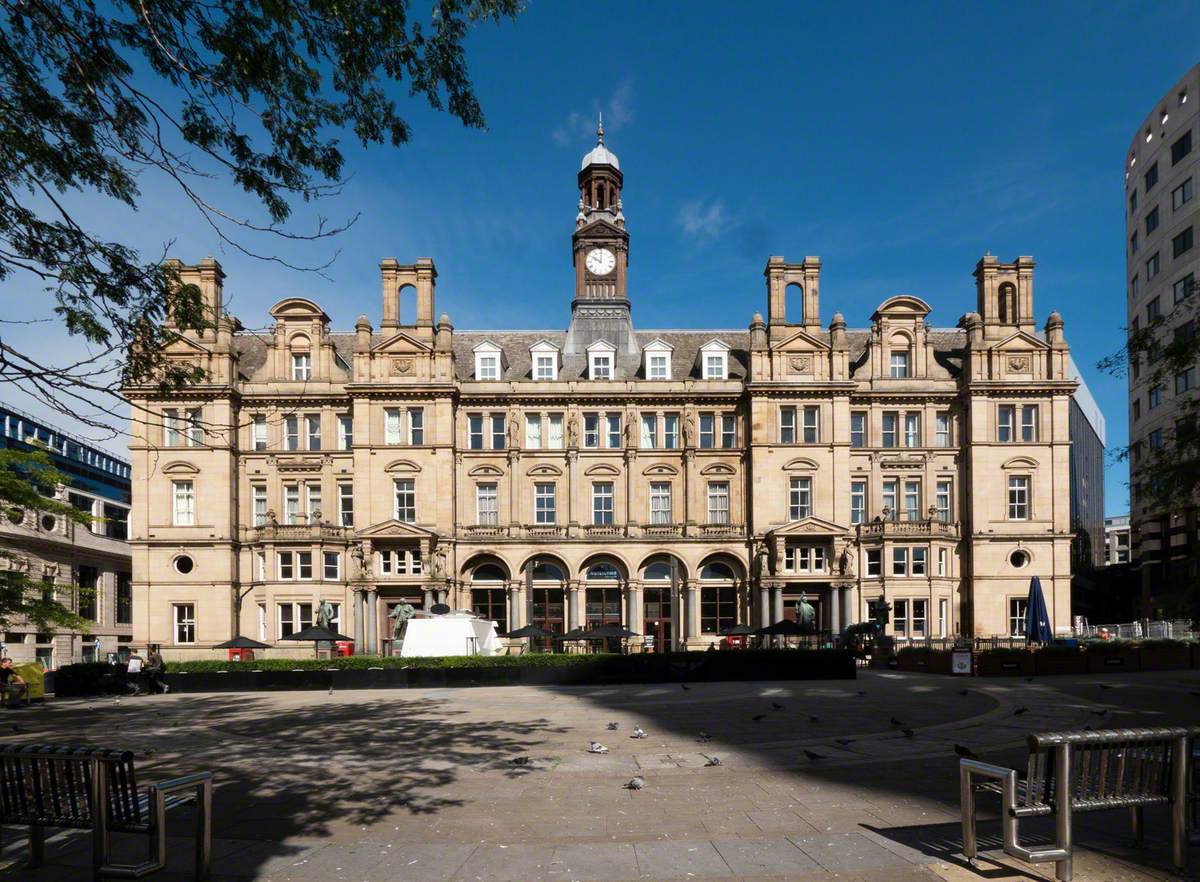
(656, 614)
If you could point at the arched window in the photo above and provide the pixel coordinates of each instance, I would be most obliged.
(899, 357)
(301, 358)
(549, 606)
(716, 570)
(602, 572)
(659, 569)
(488, 572)
(545, 571)
(406, 305)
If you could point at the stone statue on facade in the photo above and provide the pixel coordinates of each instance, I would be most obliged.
(324, 614)
(846, 560)
(400, 616)
(514, 429)
(572, 431)
(689, 431)
(439, 563)
(359, 553)
(272, 519)
(762, 558)
(631, 429)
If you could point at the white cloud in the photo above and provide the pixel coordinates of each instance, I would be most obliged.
(581, 127)
(705, 220)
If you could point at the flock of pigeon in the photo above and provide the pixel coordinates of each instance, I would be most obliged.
(639, 783)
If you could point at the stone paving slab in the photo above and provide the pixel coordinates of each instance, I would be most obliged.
(404, 786)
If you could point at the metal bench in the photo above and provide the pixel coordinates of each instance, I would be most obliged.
(1110, 769)
(45, 786)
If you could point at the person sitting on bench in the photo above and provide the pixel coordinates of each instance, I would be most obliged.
(12, 683)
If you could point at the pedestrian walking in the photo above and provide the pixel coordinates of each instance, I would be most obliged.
(12, 683)
(155, 670)
(133, 673)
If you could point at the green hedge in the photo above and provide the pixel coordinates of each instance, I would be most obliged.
(362, 662)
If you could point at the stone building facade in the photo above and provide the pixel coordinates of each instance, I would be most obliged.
(86, 566)
(677, 482)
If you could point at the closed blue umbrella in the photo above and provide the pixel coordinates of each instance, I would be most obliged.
(1037, 618)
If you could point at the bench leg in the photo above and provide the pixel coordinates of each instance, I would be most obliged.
(203, 829)
(1137, 825)
(1180, 776)
(967, 804)
(37, 845)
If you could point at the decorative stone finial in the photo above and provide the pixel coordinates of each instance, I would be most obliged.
(600, 130)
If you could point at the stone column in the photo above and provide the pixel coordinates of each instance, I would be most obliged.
(441, 595)
(764, 606)
(849, 608)
(360, 626)
(514, 606)
(573, 605)
(429, 600)
(693, 610)
(835, 610)
(372, 621)
(634, 609)
(776, 604)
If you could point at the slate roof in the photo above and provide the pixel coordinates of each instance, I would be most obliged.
(948, 345)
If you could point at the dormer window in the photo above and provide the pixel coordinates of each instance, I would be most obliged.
(657, 364)
(714, 360)
(543, 356)
(899, 365)
(601, 360)
(488, 362)
(301, 366)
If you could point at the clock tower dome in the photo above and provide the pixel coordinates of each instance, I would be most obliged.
(600, 251)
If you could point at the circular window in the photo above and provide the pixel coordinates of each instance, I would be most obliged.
(48, 522)
(184, 564)
(1019, 558)
(16, 515)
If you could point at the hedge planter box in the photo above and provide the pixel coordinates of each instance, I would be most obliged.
(1049, 663)
(1113, 660)
(929, 661)
(1001, 663)
(586, 671)
(1165, 657)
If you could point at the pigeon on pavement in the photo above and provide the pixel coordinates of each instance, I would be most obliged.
(1020, 710)
(704, 736)
(908, 733)
(520, 760)
(757, 717)
(638, 732)
(612, 727)
(597, 747)
(776, 705)
(685, 687)
(713, 761)
(813, 756)
(637, 783)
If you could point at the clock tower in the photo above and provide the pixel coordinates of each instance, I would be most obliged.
(600, 250)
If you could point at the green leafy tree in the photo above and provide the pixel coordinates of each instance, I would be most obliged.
(28, 487)
(202, 93)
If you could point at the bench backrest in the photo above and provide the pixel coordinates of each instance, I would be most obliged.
(1108, 766)
(51, 785)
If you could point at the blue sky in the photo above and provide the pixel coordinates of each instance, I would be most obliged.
(898, 144)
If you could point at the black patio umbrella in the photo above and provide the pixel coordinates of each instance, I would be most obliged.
(242, 643)
(528, 631)
(609, 631)
(784, 628)
(573, 634)
(317, 634)
(737, 631)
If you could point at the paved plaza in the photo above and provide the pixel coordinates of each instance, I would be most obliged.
(815, 781)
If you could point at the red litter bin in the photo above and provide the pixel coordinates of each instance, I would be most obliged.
(241, 655)
(344, 647)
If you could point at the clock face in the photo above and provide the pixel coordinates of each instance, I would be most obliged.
(600, 261)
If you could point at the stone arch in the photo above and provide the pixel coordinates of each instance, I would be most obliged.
(793, 303)
(406, 304)
(661, 557)
(605, 557)
(728, 560)
(549, 558)
(481, 559)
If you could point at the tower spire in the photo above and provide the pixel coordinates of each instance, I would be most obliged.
(600, 130)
